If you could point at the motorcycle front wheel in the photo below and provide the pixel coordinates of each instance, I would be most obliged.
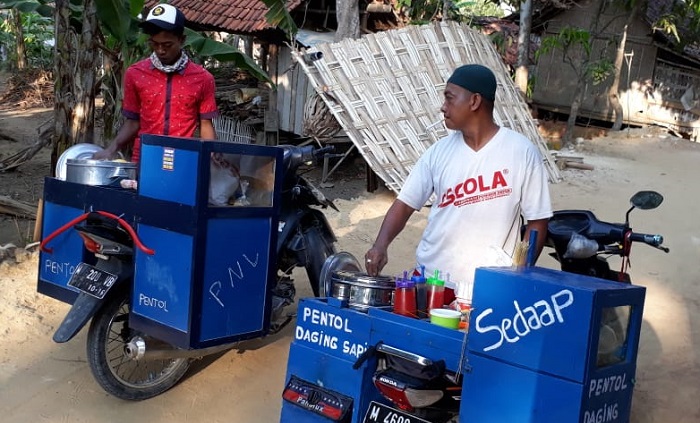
(118, 374)
(318, 249)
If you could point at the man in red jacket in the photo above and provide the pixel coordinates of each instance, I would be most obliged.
(165, 94)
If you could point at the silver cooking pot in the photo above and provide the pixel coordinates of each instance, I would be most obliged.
(362, 290)
(99, 172)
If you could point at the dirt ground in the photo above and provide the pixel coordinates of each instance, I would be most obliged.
(41, 381)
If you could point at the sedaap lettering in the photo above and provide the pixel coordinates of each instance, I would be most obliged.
(525, 320)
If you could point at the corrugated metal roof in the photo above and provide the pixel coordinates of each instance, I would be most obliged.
(234, 16)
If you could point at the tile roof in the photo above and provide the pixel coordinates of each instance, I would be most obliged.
(234, 16)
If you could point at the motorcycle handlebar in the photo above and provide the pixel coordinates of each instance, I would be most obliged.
(295, 155)
(652, 240)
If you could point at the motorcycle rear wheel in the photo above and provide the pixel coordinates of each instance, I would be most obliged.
(117, 374)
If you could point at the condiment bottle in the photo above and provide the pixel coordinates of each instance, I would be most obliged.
(436, 291)
(405, 297)
(421, 293)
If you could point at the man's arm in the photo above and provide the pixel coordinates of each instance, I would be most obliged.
(126, 134)
(395, 220)
(540, 226)
(206, 129)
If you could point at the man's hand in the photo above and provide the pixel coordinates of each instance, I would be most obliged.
(394, 221)
(106, 154)
(375, 260)
(126, 134)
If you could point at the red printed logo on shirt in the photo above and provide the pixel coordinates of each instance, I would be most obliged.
(476, 190)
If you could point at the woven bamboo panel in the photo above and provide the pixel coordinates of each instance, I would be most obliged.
(386, 90)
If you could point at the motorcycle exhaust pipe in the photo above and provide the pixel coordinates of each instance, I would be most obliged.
(136, 350)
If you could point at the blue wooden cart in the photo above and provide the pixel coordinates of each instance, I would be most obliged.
(206, 276)
(531, 353)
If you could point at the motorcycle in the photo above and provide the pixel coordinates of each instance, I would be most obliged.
(422, 390)
(582, 243)
(134, 365)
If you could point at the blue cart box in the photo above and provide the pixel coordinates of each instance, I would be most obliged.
(549, 346)
(209, 280)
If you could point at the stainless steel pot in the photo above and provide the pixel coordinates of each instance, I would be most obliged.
(99, 172)
(361, 290)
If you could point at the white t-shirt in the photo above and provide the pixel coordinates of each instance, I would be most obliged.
(480, 196)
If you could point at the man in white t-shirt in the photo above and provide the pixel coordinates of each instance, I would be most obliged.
(484, 178)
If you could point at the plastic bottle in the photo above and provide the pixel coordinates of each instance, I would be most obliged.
(421, 293)
(405, 297)
(436, 291)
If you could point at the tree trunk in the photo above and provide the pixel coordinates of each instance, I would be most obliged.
(63, 81)
(83, 114)
(21, 49)
(74, 74)
(581, 81)
(614, 91)
(447, 5)
(567, 141)
(347, 14)
(521, 73)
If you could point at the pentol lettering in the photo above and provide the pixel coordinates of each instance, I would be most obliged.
(606, 385)
(56, 268)
(525, 320)
(324, 318)
(153, 302)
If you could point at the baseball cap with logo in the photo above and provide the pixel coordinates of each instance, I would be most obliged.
(164, 17)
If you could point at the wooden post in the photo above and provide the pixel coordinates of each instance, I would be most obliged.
(37, 223)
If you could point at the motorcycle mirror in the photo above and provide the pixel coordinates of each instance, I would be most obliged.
(646, 200)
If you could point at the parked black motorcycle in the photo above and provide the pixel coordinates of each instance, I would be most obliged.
(133, 365)
(423, 390)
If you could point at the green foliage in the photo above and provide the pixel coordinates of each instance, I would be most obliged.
(278, 16)
(37, 32)
(419, 11)
(567, 40)
(576, 46)
(463, 10)
(206, 47)
(118, 19)
(681, 22)
(599, 70)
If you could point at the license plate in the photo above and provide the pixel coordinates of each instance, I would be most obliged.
(91, 280)
(380, 413)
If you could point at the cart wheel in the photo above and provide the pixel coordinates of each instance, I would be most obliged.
(119, 375)
(318, 249)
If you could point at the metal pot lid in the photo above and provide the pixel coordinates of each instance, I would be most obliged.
(101, 163)
(363, 279)
(339, 261)
(77, 151)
